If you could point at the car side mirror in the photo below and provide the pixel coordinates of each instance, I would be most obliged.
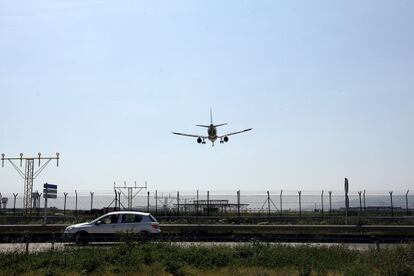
(98, 222)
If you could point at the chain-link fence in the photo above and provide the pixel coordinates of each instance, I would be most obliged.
(222, 202)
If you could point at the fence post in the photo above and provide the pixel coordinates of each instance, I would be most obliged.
(14, 204)
(148, 205)
(268, 203)
(156, 202)
(208, 203)
(406, 201)
(64, 204)
(281, 210)
(76, 203)
(365, 207)
(178, 203)
(346, 200)
(38, 209)
(330, 203)
(91, 201)
(360, 202)
(300, 203)
(238, 203)
(115, 200)
(119, 200)
(322, 203)
(392, 206)
(197, 202)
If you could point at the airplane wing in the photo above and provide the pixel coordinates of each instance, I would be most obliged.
(190, 135)
(233, 133)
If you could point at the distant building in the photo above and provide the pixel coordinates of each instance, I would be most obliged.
(211, 206)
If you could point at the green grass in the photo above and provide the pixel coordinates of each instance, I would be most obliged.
(252, 259)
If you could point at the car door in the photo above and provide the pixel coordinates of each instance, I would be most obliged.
(107, 224)
(131, 223)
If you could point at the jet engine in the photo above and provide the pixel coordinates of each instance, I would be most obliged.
(199, 140)
(226, 139)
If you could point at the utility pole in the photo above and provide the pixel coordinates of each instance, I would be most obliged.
(29, 174)
(300, 203)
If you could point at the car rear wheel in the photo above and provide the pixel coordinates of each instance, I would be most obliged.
(144, 236)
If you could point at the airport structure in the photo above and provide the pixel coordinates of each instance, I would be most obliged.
(29, 174)
(131, 192)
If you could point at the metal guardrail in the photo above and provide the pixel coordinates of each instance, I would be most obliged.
(236, 229)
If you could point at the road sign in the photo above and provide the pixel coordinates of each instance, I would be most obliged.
(50, 191)
(50, 186)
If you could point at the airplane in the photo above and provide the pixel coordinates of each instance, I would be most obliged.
(212, 133)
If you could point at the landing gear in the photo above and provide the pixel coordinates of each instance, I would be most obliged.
(201, 140)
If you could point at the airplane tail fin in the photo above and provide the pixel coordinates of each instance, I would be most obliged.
(211, 121)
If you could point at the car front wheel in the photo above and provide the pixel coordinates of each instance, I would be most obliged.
(82, 238)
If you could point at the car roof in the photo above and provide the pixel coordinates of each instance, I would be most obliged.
(128, 212)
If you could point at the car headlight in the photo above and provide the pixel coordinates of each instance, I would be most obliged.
(68, 229)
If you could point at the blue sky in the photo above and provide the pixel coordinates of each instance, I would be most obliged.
(326, 85)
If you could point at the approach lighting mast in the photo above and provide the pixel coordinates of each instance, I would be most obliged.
(131, 191)
(29, 173)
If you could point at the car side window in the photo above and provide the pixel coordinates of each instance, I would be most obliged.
(131, 218)
(110, 219)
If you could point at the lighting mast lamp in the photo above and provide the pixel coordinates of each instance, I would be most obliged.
(29, 173)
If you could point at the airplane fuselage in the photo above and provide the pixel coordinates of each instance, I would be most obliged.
(212, 133)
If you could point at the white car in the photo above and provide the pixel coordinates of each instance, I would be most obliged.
(115, 222)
